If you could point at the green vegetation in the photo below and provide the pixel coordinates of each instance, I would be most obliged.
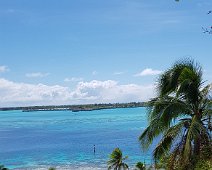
(140, 166)
(76, 108)
(181, 114)
(116, 160)
(3, 168)
(52, 168)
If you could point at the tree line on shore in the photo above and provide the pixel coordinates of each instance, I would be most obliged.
(82, 107)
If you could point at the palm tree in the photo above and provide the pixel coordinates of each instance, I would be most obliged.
(52, 168)
(181, 116)
(116, 160)
(3, 168)
(140, 166)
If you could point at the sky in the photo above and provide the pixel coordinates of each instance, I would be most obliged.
(96, 51)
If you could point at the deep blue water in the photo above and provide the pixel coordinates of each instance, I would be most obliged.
(58, 138)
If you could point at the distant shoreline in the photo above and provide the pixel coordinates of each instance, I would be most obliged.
(76, 108)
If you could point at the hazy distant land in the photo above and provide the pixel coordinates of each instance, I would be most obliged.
(76, 108)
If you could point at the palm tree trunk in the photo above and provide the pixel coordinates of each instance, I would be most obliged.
(197, 142)
(197, 147)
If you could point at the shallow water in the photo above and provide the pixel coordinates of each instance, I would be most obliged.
(65, 139)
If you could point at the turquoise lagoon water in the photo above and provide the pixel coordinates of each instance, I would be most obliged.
(66, 139)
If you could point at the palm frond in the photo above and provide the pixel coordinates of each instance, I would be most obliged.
(168, 139)
(195, 130)
(182, 107)
(174, 110)
(116, 160)
(153, 130)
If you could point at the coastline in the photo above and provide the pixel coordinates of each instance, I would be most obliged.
(76, 108)
(75, 167)
(71, 167)
(64, 167)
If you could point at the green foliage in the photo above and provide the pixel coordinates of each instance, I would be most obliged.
(140, 166)
(3, 168)
(116, 160)
(52, 168)
(83, 107)
(181, 113)
(203, 165)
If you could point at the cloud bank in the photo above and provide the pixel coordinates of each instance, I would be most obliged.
(118, 73)
(36, 75)
(73, 79)
(23, 94)
(148, 72)
(3, 69)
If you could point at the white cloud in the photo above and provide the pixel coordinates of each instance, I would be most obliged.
(23, 94)
(3, 69)
(111, 91)
(19, 94)
(94, 73)
(36, 75)
(73, 79)
(118, 73)
(148, 72)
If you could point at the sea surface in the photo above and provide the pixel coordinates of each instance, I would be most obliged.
(65, 139)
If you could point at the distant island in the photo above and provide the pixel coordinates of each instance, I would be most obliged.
(76, 108)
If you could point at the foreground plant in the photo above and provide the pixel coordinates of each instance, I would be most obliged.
(181, 115)
(3, 168)
(116, 160)
(52, 168)
(140, 166)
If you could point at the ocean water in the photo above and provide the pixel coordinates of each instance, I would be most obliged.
(65, 139)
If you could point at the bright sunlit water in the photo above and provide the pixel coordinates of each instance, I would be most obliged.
(66, 139)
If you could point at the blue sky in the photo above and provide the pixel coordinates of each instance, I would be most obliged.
(71, 52)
